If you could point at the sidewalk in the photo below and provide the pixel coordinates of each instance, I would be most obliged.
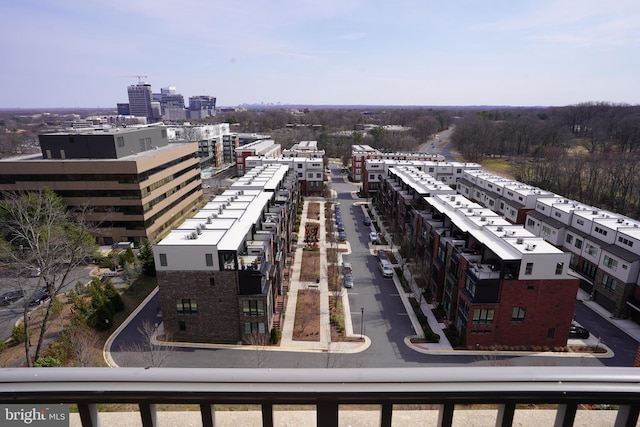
(630, 327)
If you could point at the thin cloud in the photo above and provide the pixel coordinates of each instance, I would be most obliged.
(352, 36)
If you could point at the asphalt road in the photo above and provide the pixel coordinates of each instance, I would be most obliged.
(10, 314)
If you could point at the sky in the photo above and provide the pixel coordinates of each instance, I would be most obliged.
(84, 53)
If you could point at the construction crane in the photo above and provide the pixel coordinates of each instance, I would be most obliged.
(140, 77)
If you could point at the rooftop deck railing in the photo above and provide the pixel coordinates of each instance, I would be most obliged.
(327, 389)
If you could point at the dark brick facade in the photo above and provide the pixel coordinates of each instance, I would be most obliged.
(218, 316)
(546, 321)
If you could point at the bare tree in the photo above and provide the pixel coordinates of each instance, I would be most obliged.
(132, 272)
(42, 244)
(260, 343)
(83, 342)
(155, 353)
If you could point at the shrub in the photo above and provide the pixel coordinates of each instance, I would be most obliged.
(431, 336)
(17, 334)
(3, 346)
(47, 362)
(276, 335)
(73, 296)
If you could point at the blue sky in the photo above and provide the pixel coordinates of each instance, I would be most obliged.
(78, 53)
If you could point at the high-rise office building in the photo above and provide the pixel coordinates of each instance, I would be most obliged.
(140, 98)
(202, 106)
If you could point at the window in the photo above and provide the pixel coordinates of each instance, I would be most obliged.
(530, 222)
(212, 281)
(580, 221)
(610, 263)
(163, 260)
(372, 176)
(559, 268)
(609, 282)
(558, 214)
(254, 328)
(551, 332)
(182, 325)
(589, 269)
(483, 316)
(299, 165)
(120, 141)
(546, 231)
(517, 315)
(578, 243)
(187, 306)
(625, 241)
(601, 231)
(569, 238)
(591, 250)
(470, 286)
(253, 308)
(208, 259)
(528, 269)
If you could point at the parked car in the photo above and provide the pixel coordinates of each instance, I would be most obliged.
(347, 280)
(576, 331)
(346, 267)
(373, 236)
(342, 236)
(340, 226)
(367, 221)
(41, 296)
(385, 268)
(11, 297)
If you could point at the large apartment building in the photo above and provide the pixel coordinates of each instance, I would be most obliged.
(220, 272)
(133, 181)
(498, 283)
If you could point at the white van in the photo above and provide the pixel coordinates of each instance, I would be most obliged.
(385, 268)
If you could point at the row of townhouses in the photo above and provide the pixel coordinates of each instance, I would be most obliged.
(604, 246)
(505, 259)
(221, 271)
(498, 283)
(360, 154)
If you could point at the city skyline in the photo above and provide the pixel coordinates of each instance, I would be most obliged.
(348, 52)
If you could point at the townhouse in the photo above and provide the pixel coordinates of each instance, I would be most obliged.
(220, 272)
(498, 283)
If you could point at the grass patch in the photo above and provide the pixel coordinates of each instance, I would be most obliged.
(500, 166)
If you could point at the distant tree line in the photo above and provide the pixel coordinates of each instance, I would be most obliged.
(336, 130)
(588, 152)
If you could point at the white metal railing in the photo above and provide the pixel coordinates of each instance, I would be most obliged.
(507, 387)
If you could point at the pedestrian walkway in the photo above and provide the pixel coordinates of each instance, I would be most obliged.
(324, 343)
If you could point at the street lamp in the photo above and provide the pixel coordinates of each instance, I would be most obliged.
(108, 326)
(361, 322)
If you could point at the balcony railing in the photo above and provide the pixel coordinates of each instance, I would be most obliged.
(327, 389)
